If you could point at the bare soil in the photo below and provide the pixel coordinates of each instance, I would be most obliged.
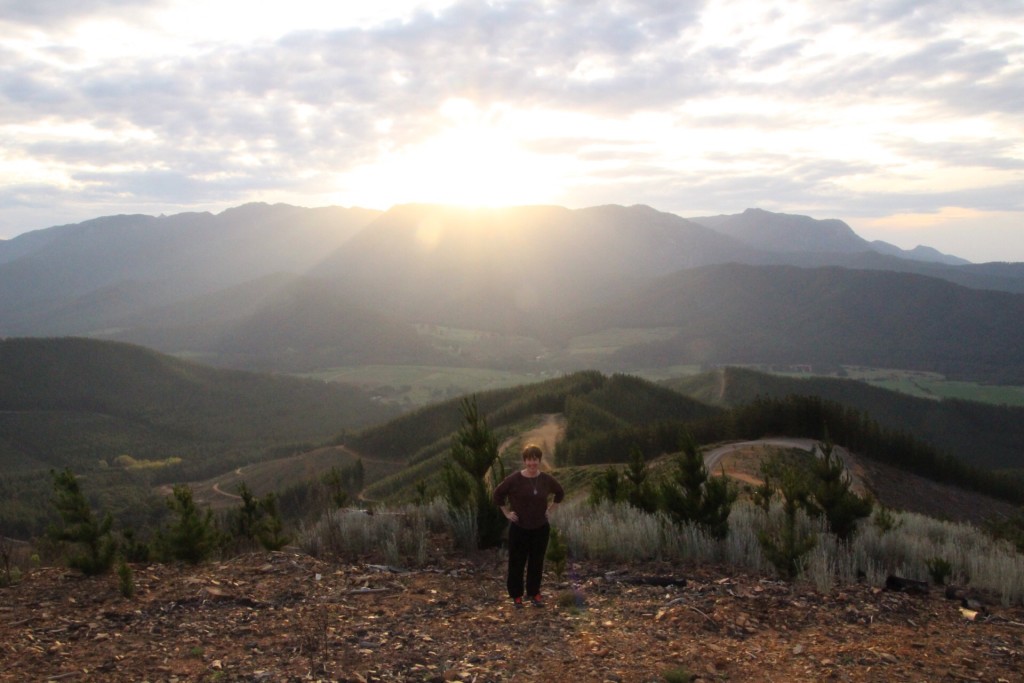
(290, 617)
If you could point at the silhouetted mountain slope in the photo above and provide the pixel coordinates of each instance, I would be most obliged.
(983, 435)
(918, 253)
(809, 242)
(228, 288)
(787, 233)
(744, 314)
(975, 276)
(158, 261)
(310, 325)
(516, 268)
(790, 234)
(196, 325)
(280, 323)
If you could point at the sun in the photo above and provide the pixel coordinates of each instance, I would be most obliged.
(475, 158)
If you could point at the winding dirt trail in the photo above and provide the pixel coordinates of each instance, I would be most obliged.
(714, 457)
(546, 435)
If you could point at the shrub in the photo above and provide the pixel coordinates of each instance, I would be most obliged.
(6, 562)
(270, 530)
(94, 545)
(571, 599)
(939, 570)
(125, 580)
(557, 553)
(192, 537)
(678, 674)
(784, 544)
(692, 496)
(607, 487)
(474, 452)
(832, 493)
(132, 548)
(884, 520)
(396, 536)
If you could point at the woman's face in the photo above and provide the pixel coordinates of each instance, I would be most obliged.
(532, 466)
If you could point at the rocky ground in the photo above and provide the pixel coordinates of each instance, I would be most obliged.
(290, 617)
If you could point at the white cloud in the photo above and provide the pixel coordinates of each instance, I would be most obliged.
(859, 109)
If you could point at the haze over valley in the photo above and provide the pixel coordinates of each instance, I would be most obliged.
(526, 289)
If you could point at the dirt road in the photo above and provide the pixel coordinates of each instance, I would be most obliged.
(713, 459)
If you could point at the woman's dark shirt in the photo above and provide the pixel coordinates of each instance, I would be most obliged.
(528, 497)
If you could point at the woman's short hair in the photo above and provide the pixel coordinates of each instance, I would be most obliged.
(532, 452)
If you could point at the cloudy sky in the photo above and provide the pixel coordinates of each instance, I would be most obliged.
(905, 118)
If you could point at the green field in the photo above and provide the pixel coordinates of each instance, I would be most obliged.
(412, 386)
(934, 385)
(998, 395)
(611, 340)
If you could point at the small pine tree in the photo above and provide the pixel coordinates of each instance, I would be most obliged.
(833, 494)
(639, 492)
(475, 451)
(557, 553)
(716, 506)
(6, 555)
(125, 580)
(133, 549)
(458, 489)
(607, 487)
(91, 537)
(243, 521)
(270, 530)
(681, 495)
(474, 447)
(421, 492)
(192, 537)
(358, 475)
(884, 520)
(692, 496)
(335, 486)
(257, 520)
(786, 547)
(762, 495)
(939, 570)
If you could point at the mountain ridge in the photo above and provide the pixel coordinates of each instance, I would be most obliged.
(520, 272)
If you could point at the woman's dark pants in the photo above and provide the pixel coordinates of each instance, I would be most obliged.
(526, 548)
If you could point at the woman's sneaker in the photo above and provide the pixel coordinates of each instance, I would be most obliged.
(537, 601)
(518, 602)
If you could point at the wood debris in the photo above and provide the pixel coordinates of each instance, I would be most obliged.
(289, 617)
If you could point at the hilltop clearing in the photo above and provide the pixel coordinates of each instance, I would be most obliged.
(274, 617)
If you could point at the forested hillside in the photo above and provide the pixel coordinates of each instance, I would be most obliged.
(610, 416)
(735, 314)
(171, 398)
(129, 416)
(983, 435)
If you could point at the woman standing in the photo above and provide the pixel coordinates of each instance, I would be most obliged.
(523, 498)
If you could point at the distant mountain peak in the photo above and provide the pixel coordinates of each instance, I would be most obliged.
(919, 253)
(794, 233)
(787, 233)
